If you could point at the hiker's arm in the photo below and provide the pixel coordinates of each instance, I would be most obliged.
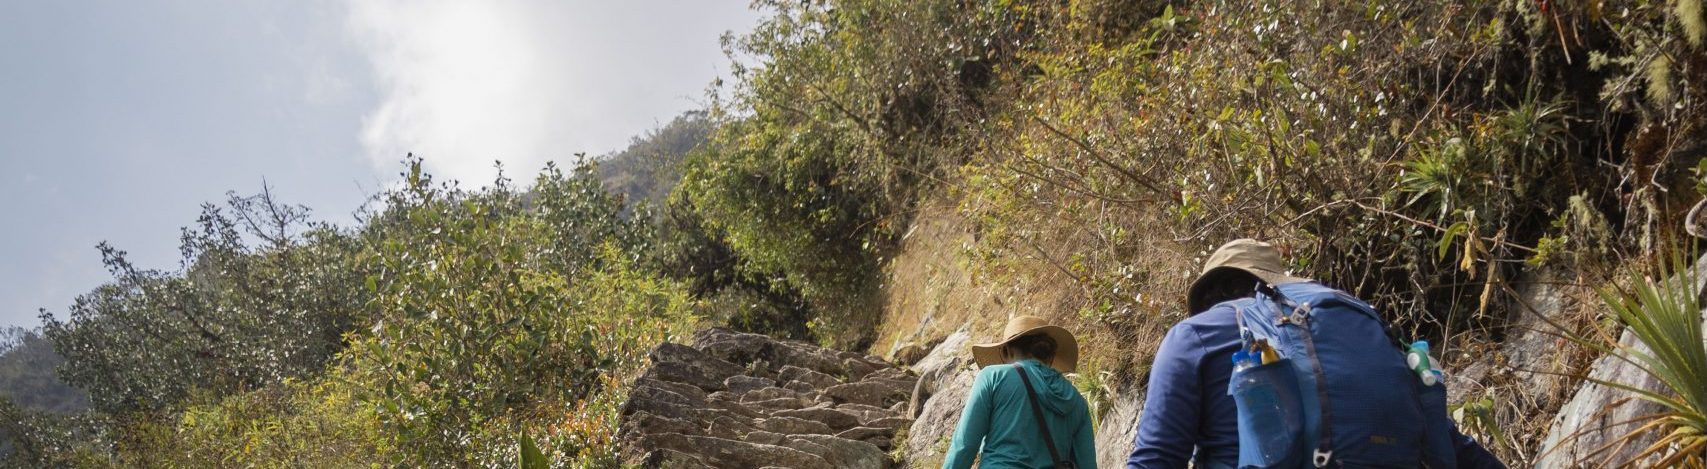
(1084, 444)
(1471, 454)
(1167, 431)
(974, 424)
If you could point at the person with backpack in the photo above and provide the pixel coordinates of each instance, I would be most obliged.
(1021, 411)
(1271, 370)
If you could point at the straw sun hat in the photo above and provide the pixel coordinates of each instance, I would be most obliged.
(1247, 255)
(1066, 347)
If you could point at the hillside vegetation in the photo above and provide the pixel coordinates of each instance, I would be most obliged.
(871, 158)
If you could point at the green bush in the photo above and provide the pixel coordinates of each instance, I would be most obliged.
(238, 316)
(289, 424)
(494, 316)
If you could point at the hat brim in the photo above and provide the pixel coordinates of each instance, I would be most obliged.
(1066, 349)
(1194, 300)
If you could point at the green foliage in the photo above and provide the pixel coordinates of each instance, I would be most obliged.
(532, 458)
(448, 323)
(1477, 417)
(815, 163)
(1665, 316)
(786, 208)
(1098, 390)
(235, 317)
(290, 424)
(1409, 152)
(38, 439)
(489, 313)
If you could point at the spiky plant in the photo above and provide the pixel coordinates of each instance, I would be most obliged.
(1665, 315)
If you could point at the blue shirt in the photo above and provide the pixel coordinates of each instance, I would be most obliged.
(998, 425)
(1187, 406)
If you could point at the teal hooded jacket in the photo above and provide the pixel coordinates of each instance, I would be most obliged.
(998, 418)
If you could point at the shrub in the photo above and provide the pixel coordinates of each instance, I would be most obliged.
(1665, 316)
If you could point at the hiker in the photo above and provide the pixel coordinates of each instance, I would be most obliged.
(1371, 408)
(1020, 411)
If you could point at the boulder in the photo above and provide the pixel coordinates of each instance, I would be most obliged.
(800, 387)
(866, 433)
(867, 413)
(930, 432)
(781, 403)
(950, 355)
(771, 392)
(807, 356)
(646, 422)
(1118, 426)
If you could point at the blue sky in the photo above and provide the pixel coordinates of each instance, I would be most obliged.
(119, 119)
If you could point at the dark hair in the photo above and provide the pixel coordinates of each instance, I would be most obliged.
(1227, 284)
(1039, 346)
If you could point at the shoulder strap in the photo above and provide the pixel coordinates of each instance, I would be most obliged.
(1300, 317)
(1037, 413)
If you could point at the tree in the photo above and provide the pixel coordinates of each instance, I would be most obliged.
(237, 315)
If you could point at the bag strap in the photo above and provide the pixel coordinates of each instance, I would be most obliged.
(1300, 317)
(1037, 413)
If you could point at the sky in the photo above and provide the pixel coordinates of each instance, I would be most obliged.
(118, 119)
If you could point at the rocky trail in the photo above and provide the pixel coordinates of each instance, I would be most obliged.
(746, 400)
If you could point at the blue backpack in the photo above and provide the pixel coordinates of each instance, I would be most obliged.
(1339, 393)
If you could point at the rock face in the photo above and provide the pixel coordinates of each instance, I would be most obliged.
(746, 400)
(945, 377)
(1118, 426)
(1598, 416)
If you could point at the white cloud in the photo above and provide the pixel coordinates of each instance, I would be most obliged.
(465, 83)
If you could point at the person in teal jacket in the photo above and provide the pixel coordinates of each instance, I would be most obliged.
(998, 426)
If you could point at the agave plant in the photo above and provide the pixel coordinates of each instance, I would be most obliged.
(1665, 315)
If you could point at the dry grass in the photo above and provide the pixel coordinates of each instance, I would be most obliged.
(1509, 390)
(938, 283)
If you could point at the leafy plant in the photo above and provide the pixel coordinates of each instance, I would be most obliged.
(1665, 315)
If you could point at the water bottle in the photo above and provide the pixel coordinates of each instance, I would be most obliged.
(1241, 360)
(1418, 360)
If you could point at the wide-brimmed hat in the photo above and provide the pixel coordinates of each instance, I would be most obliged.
(1066, 347)
(1250, 256)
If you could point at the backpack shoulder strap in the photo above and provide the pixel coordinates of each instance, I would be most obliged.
(1037, 413)
(1300, 318)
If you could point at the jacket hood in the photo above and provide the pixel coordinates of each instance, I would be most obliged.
(1054, 392)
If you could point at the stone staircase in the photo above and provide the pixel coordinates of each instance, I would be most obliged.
(734, 399)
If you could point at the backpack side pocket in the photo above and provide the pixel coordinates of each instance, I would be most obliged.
(1438, 450)
(1271, 417)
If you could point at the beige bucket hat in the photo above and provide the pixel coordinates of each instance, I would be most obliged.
(1248, 255)
(1066, 347)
